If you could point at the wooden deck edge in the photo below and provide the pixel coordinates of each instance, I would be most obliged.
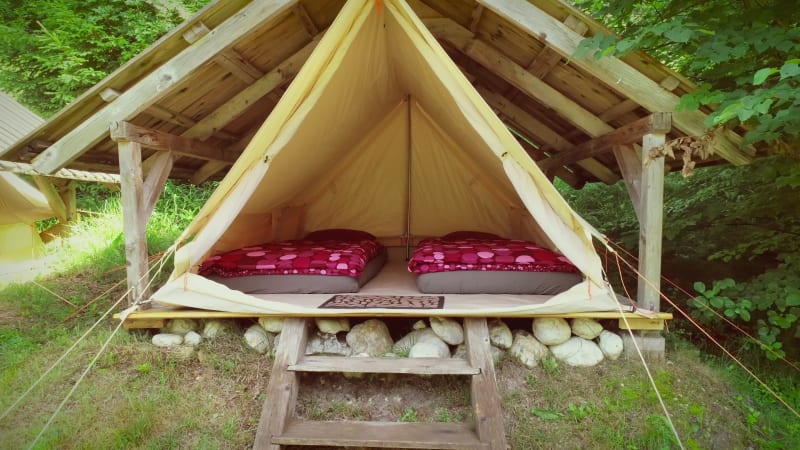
(155, 318)
(416, 366)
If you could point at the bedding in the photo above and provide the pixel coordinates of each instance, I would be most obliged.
(317, 265)
(490, 266)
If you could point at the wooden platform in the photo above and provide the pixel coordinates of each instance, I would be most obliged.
(279, 425)
(157, 318)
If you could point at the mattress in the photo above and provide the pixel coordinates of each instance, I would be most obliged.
(496, 282)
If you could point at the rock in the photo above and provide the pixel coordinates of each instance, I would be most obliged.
(448, 329)
(403, 346)
(327, 344)
(578, 352)
(370, 337)
(461, 352)
(215, 327)
(497, 353)
(610, 344)
(551, 330)
(192, 339)
(271, 324)
(527, 349)
(586, 328)
(429, 348)
(181, 326)
(333, 326)
(181, 352)
(500, 335)
(167, 340)
(420, 324)
(258, 339)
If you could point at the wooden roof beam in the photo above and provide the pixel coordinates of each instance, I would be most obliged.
(300, 11)
(548, 58)
(476, 15)
(229, 58)
(617, 74)
(542, 133)
(157, 140)
(157, 84)
(660, 123)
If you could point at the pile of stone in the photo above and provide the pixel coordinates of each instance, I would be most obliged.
(577, 342)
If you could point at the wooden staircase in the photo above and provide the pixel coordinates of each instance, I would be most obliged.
(279, 425)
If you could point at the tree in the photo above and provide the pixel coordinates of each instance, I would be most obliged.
(744, 54)
(52, 51)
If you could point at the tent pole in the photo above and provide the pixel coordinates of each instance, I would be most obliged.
(408, 180)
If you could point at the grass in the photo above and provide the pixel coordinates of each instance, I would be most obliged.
(141, 396)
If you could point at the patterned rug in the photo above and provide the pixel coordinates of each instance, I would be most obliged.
(350, 301)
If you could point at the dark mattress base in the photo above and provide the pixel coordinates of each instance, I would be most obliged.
(496, 282)
(303, 284)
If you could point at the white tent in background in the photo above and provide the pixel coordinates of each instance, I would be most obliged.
(381, 131)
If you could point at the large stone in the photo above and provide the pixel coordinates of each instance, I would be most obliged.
(167, 340)
(271, 324)
(181, 326)
(327, 344)
(578, 352)
(500, 335)
(448, 329)
(403, 346)
(586, 328)
(258, 339)
(527, 349)
(497, 353)
(420, 324)
(371, 338)
(333, 326)
(610, 344)
(551, 330)
(430, 348)
(215, 327)
(192, 339)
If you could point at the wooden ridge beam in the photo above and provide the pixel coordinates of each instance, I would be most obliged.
(628, 134)
(615, 73)
(157, 84)
(158, 140)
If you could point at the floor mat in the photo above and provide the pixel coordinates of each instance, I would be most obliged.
(351, 301)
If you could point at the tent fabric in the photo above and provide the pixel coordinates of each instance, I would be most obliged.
(380, 131)
(20, 206)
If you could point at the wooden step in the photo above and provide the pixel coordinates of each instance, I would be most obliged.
(381, 435)
(416, 366)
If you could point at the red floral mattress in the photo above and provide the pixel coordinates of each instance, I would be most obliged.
(329, 257)
(447, 255)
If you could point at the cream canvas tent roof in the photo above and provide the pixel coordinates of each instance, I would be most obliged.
(381, 131)
(21, 204)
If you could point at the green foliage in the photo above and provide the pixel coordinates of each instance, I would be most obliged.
(50, 52)
(744, 56)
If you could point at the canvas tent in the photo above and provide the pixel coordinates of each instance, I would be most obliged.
(381, 131)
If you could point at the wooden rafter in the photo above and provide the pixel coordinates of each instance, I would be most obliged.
(308, 23)
(548, 58)
(229, 58)
(157, 84)
(157, 140)
(633, 132)
(615, 73)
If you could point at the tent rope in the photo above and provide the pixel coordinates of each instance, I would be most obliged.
(717, 343)
(78, 341)
(715, 312)
(644, 362)
(70, 174)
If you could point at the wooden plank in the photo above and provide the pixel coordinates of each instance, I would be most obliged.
(157, 84)
(547, 59)
(614, 72)
(485, 398)
(158, 140)
(134, 324)
(134, 221)
(53, 196)
(300, 11)
(207, 171)
(238, 66)
(418, 366)
(279, 405)
(381, 435)
(650, 225)
(542, 133)
(476, 15)
(628, 134)
(630, 165)
(155, 181)
(641, 324)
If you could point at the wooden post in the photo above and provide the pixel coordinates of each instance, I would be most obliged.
(134, 219)
(651, 215)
